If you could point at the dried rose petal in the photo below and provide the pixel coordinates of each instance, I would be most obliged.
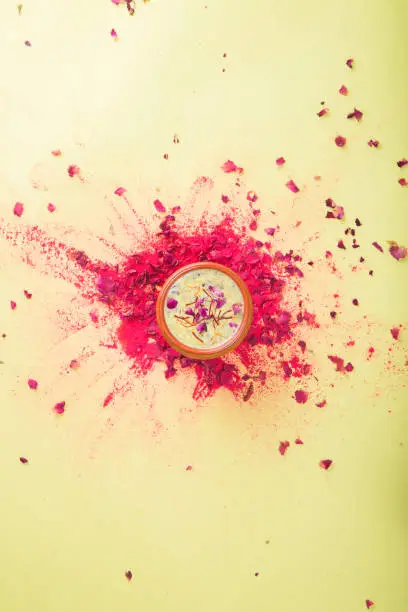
(13, 305)
(322, 112)
(73, 170)
(23, 460)
(114, 34)
(27, 43)
(298, 441)
(249, 392)
(402, 162)
(338, 361)
(225, 199)
(373, 143)
(283, 447)
(33, 384)
(270, 231)
(325, 463)
(340, 141)
(120, 191)
(50, 207)
(291, 185)
(369, 603)
(322, 404)
(171, 303)
(59, 408)
(378, 246)
(229, 166)
(251, 196)
(189, 468)
(341, 244)
(343, 90)
(395, 332)
(403, 182)
(56, 153)
(27, 294)
(349, 367)
(159, 206)
(350, 62)
(356, 114)
(74, 364)
(108, 399)
(301, 396)
(18, 209)
(128, 574)
(398, 252)
(280, 161)
(201, 327)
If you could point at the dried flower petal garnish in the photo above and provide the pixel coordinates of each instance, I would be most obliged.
(403, 182)
(159, 206)
(280, 161)
(291, 185)
(59, 408)
(373, 143)
(172, 303)
(343, 90)
(336, 212)
(341, 244)
(325, 463)
(251, 196)
(395, 332)
(229, 166)
(322, 404)
(51, 207)
(56, 153)
(378, 246)
(398, 252)
(73, 170)
(18, 209)
(369, 603)
(298, 441)
(402, 162)
(120, 191)
(33, 384)
(339, 362)
(283, 447)
(350, 62)
(23, 460)
(356, 114)
(128, 573)
(322, 112)
(301, 396)
(27, 294)
(340, 141)
(114, 35)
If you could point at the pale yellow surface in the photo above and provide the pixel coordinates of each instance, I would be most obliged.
(106, 490)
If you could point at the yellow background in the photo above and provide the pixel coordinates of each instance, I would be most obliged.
(106, 490)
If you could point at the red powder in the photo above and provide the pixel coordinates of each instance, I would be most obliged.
(325, 463)
(59, 408)
(283, 447)
(340, 141)
(18, 209)
(301, 396)
(33, 384)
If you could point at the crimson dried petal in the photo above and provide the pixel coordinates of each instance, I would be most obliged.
(395, 332)
(343, 90)
(356, 114)
(340, 141)
(108, 399)
(280, 161)
(251, 196)
(253, 225)
(51, 207)
(322, 112)
(378, 246)
(301, 396)
(171, 303)
(225, 198)
(291, 185)
(73, 170)
(349, 367)
(373, 143)
(325, 463)
(249, 392)
(120, 191)
(189, 468)
(270, 231)
(350, 62)
(13, 305)
(59, 408)
(403, 182)
(298, 441)
(113, 34)
(23, 460)
(56, 153)
(341, 244)
(27, 43)
(159, 206)
(32, 383)
(27, 294)
(18, 209)
(369, 603)
(321, 404)
(402, 162)
(338, 361)
(283, 447)
(398, 252)
(229, 166)
(128, 573)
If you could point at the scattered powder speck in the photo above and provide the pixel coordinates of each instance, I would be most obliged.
(283, 447)
(325, 464)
